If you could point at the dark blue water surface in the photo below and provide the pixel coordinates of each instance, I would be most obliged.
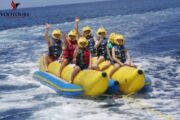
(66, 13)
(152, 32)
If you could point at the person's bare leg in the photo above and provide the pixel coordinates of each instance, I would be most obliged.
(115, 68)
(108, 64)
(130, 63)
(95, 67)
(47, 60)
(75, 72)
(63, 64)
(100, 60)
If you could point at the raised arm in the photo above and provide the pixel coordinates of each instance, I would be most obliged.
(76, 27)
(114, 57)
(46, 36)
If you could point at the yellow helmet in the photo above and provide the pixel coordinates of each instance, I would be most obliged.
(56, 32)
(72, 33)
(101, 30)
(111, 37)
(82, 40)
(87, 28)
(117, 37)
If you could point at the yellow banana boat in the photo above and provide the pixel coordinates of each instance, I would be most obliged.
(93, 82)
(130, 79)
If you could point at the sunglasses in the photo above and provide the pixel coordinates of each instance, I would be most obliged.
(71, 36)
(102, 33)
(57, 35)
(82, 42)
(87, 31)
(121, 40)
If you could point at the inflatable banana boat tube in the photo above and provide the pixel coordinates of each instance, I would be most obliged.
(90, 82)
(115, 89)
(130, 79)
(60, 86)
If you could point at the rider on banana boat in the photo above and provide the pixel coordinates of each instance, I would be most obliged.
(101, 42)
(109, 50)
(54, 45)
(110, 46)
(81, 57)
(87, 33)
(120, 54)
(70, 44)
